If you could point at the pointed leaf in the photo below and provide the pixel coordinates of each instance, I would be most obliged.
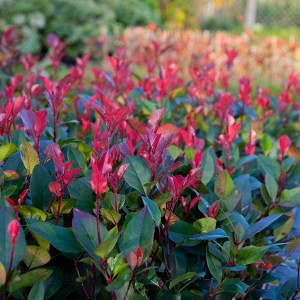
(189, 276)
(223, 184)
(138, 173)
(61, 238)
(214, 266)
(261, 225)
(85, 230)
(7, 150)
(272, 186)
(153, 209)
(39, 191)
(36, 256)
(106, 247)
(29, 279)
(30, 157)
(138, 232)
(250, 254)
(211, 235)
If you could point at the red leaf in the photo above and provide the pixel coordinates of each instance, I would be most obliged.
(121, 171)
(168, 129)
(70, 175)
(105, 163)
(120, 115)
(41, 122)
(194, 201)
(53, 152)
(47, 83)
(138, 126)
(98, 183)
(3, 119)
(22, 196)
(155, 118)
(29, 120)
(98, 108)
(284, 144)
(63, 86)
(18, 104)
(55, 188)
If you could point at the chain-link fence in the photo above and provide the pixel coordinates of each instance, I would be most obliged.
(269, 13)
(278, 13)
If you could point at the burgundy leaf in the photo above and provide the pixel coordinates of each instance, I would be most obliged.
(41, 122)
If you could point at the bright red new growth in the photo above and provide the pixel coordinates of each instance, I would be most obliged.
(284, 144)
(13, 230)
(98, 183)
(250, 147)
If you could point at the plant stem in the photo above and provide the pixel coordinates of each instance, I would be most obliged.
(59, 201)
(98, 218)
(130, 282)
(12, 253)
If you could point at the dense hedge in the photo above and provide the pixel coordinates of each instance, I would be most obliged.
(155, 187)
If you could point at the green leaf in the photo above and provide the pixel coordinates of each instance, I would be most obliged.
(39, 191)
(153, 209)
(80, 189)
(214, 250)
(245, 160)
(290, 198)
(234, 286)
(288, 288)
(138, 173)
(30, 157)
(189, 276)
(106, 247)
(5, 240)
(223, 184)
(2, 274)
(207, 166)
(7, 150)
(174, 151)
(214, 266)
(66, 206)
(61, 238)
(269, 165)
(189, 153)
(283, 231)
(53, 283)
(122, 278)
(205, 224)
(181, 231)
(82, 146)
(85, 230)
(29, 279)
(36, 256)
(250, 254)
(111, 215)
(138, 232)
(261, 225)
(32, 213)
(266, 143)
(37, 291)
(272, 186)
(116, 264)
(79, 160)
(212, 235)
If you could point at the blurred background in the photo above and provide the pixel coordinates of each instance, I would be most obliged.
(76, 21)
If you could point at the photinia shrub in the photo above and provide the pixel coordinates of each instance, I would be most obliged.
(156, 187)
